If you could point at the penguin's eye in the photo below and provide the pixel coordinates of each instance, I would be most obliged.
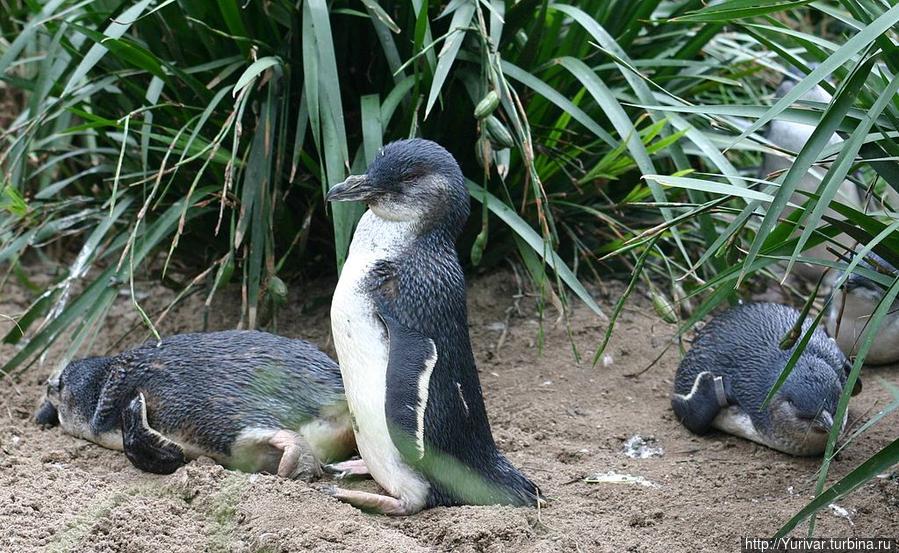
(414, 174)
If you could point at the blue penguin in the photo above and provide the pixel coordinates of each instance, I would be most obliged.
(735, 360)
(250, 400)
(852, 307)
(400, 327)
(791, 136)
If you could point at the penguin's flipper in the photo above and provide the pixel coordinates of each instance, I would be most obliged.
(411, 360)
(697, 409)
(113, 399)
(146, 448)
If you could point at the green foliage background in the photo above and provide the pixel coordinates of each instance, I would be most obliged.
(624, 139)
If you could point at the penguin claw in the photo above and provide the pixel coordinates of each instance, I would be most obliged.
(329, 468)
(347, 469)
(327, 489)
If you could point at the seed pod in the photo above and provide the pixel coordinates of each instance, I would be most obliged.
(483, 152)
(502, 158)
(498, 133)
(477, 249)
(487, 105)
(663, 307)
(684, 305)
(277, 290)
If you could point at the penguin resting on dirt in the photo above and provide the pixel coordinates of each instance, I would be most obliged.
(400, 326)
(735, 360)
(250, 400)
(852, 307)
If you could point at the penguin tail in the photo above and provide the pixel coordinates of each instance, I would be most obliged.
(492, 480)
(513, 487)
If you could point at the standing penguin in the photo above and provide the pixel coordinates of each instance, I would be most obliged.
(251, 400)
(792, 137)
(400, 326)
(852, 307)
(723, 380)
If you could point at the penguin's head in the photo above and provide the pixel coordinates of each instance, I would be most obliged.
(860, 287)
(71, 396)
(412, 180)
(804, 410)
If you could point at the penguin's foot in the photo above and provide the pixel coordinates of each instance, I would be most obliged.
(292, 446)
(347, 469)
(382, 504)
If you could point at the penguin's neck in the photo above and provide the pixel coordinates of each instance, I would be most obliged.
(379, 238)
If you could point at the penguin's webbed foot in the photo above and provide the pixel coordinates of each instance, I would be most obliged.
(367, 501)
(292, 447)
(347, 469)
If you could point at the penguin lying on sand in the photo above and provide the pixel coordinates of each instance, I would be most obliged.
(735, 360)
(792, 137)
(400, 326)
(853, 306)
(250, 400)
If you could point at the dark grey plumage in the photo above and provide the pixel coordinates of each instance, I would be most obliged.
(417, 197)
(203, 392)
(741, 346)
(426, 293)
(872, 262)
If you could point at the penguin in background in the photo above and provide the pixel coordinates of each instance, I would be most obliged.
(792, 137)
(852, 307)
(736, 358)
(400, 326)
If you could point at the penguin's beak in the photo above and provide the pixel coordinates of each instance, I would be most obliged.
(823, 422)
(354, 188)
(47, 415)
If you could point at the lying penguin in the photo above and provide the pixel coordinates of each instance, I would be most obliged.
(852, 307)
(792, 137)
(735, 360)
(250, 400)
(400, 327)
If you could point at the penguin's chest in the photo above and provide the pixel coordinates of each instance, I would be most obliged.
(362, 350)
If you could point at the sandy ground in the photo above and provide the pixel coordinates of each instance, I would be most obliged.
(558, 420)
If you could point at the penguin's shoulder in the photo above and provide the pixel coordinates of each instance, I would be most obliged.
(424, 285)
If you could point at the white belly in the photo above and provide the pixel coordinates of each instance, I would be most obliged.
(734, 420)
(362, 352)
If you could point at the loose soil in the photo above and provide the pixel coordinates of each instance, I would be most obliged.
(559, 420)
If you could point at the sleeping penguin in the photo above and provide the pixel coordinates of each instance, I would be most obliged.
(852, 307)
(735, 360)
(400, 327)
(250, 400)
